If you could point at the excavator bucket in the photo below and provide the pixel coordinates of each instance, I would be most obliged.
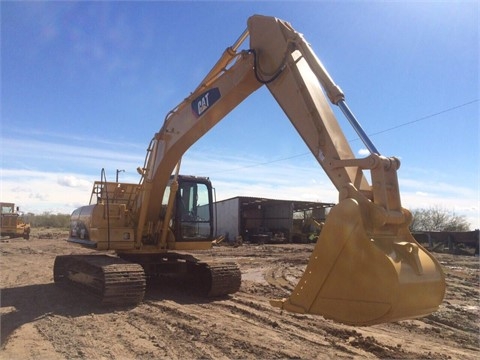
(359, 279)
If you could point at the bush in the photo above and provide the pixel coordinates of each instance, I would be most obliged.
(49, 220)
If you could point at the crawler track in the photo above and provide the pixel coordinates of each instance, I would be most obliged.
(221, 279)
(112, 280)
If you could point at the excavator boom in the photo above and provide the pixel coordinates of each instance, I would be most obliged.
(366, 267)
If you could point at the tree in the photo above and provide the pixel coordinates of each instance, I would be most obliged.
(438, 219)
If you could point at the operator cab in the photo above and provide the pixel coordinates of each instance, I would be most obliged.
(193, 214)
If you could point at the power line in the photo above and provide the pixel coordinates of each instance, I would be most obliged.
(423, 118)
(259, 164)
(372, 134)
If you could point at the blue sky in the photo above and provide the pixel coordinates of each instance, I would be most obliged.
(85, 85)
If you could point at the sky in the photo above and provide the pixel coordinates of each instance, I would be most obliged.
(86, 85)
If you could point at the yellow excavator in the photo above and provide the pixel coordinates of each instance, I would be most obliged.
(366, 267)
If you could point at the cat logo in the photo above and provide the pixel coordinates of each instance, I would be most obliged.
(205, 101)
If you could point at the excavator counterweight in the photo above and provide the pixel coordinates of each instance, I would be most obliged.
(366, 267)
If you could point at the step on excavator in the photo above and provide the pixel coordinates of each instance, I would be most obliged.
(366, 268)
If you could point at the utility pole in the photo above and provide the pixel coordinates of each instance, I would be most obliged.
(118, 171)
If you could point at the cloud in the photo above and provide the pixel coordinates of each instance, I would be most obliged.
(73, 181)
(39, 191)
(363, 152)
(37, 196)
(234, 175)
(64, 187)
(421, 193)
(426, 194)
(56, 156)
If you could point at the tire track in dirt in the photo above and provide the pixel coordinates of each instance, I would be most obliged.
(349, 341)
(267, 319)
(174, 323)
(230, 331)
(323, 334)
(251, 324)
(43, 321)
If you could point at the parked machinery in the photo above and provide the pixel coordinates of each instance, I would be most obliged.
(12, 223)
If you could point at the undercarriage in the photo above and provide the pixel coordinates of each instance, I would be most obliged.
(122, 280)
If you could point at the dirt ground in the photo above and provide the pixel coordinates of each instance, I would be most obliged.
(41, 321)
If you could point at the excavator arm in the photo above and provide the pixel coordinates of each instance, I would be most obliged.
(280, 58)
(366, 267)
